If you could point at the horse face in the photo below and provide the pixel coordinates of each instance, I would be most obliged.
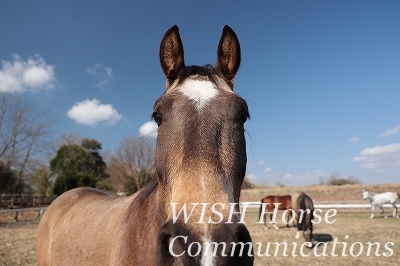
(365, 194)
(201, 152)
(308, 237)
(201, 146)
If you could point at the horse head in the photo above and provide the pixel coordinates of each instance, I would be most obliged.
(366, 194)
(201, 154)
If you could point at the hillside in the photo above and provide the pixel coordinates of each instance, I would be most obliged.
(345, 193)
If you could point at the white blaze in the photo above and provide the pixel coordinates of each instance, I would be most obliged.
(199, 91)
(207, 258)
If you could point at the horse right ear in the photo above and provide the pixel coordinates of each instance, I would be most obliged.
(228, 60)
(171, 54)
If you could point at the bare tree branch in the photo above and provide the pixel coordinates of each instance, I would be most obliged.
(22, 129)
(133, 159)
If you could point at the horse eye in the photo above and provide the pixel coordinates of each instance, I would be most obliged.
(244, 116)
(157, 117)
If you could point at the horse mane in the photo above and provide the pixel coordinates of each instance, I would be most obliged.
(208, 71)
(144, 193)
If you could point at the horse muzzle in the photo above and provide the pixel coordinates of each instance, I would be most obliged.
(222, 244)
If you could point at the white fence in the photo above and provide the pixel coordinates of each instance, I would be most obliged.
(256, 204)
(249, 204)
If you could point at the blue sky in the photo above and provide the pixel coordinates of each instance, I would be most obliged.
(322, 78)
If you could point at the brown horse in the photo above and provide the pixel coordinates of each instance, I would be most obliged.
(270, 203)
(200, 164)
(304, 212)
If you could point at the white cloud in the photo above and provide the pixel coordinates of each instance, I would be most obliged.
(261, 162)
(289, 176)
(102, 73)
(19, 76)
(390, 132)
(92, 112)
(250, 176)
(148, 129)
(267, 170)
(295, 179)
(380, 157)
(354, 140)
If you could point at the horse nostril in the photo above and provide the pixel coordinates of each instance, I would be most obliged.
(171, 245)
(242, 256)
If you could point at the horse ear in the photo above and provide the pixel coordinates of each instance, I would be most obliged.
(171, 54)
(228, 60)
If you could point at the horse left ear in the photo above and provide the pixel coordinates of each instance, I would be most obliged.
(228, 60)
(171, 54)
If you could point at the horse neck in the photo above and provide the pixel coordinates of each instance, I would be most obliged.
(371, 196)
(147, 204)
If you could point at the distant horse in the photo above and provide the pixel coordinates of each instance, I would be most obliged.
(282, 203)
(200, 161)
(378, 199)
(304, 212)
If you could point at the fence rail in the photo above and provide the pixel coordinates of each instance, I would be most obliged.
(10, 201)
(256, 204)
(249, 204)
(40, 211)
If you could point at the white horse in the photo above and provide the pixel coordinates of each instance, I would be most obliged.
(378, 199)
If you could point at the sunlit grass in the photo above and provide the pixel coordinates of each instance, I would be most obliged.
(351, 231)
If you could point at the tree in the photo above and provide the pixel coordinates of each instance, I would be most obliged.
(22, 130)
(41, 181)
(133, 164)
(336, 180)
(247, 184)
(135, 182)
(7, 179)
(78, 166)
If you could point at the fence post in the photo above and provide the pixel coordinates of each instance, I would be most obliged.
(16, 216)
(40, 214)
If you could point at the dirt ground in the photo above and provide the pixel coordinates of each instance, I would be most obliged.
(17, 243)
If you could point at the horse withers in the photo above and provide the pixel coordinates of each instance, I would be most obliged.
(200, 161)
(271, 203)
(382, 198)
(303, 207)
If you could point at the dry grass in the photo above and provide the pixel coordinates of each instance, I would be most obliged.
(320, 193)
(17, 243)
(358, 228)
(17, 239)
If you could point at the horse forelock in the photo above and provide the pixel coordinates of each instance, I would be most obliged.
(200, 85)
(207, 72)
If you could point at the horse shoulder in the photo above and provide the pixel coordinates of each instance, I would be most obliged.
(294, 201)
(64, 231)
